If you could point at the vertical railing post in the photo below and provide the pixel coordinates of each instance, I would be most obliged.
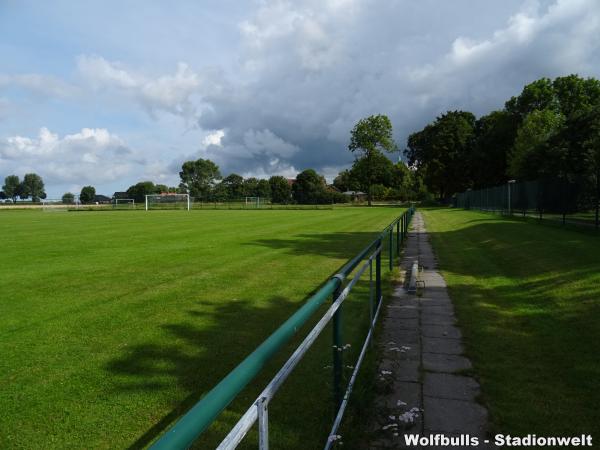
(398, 238)
(371, 302)
(378, 273)
(263, 424)
(391, 248)
(337, 353)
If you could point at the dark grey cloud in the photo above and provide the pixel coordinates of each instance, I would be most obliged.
(309, 70)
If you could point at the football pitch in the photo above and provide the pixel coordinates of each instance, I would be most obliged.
(115, 323)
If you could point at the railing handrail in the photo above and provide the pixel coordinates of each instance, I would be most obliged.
(187, 429)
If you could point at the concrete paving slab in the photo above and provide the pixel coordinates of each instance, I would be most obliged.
(445, 385)
(446, 346)
(441, 331)
(439, 362)
(454, 416)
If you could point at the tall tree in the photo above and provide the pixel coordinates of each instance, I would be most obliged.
(281, 191)
(310, 188)
(495, 134)
(12, 187)
(233, 185)
(377, 169)
(250, 187)
(369, 137)
(537, 128)
(199, 177)
(32, 186)
(346, 182)
(87, 194)
(441, 152)
(534, 96)
(139, 191)
(263, 190)
(68, 198)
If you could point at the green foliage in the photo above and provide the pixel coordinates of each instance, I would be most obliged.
(281, 192)
(369, 137)
(250, 187)
(12, 187)
(139, 191)
(68, 198)
(233, 186)
(199, 177)
(537, 128)
(32, 186)
(345, 181)
(539, 134)
(535, 96)
(87, 194)
(310, 188)
(263, 189)
(441, 152)
(495, 134)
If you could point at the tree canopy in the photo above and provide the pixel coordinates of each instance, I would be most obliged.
(369, 137)
(32, 186)
(199, 177)
(87, 194)
(12, 187)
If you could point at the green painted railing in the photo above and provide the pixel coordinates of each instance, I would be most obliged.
(191, 425)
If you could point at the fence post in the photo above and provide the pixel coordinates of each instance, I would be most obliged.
(378, 274)
(391, 252)
(398, 238)
(337, 353)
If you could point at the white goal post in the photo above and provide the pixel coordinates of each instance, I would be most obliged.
(168, 201)
(253, 201)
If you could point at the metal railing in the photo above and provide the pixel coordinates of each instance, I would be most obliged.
(191, 425)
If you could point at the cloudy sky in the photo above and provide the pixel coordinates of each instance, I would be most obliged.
(109, 92)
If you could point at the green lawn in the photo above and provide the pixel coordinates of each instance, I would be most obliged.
(527, 298)
(112, 324)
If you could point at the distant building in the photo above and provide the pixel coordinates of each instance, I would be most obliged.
(102, 199)
(120, 195)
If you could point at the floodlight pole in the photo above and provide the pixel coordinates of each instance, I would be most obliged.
(509, 203)
(188, 201)
(146, 203)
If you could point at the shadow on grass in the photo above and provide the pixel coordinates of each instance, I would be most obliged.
(196, 357)
(527, 300)
(343, 245)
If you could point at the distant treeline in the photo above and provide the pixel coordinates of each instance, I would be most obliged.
(550, 131)
(202, 179)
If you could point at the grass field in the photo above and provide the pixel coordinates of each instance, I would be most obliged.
(114, 323)
(527, 298)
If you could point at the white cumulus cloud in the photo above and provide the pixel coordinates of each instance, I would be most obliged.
(88, 157)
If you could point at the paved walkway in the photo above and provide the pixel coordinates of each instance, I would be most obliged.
(422, 376)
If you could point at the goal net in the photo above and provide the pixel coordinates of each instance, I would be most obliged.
(124, 203)
(253, 202)
(168, 201)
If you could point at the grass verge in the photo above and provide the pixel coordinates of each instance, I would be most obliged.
(527, 301)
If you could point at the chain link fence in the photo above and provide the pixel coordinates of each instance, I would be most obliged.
(560, 200)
